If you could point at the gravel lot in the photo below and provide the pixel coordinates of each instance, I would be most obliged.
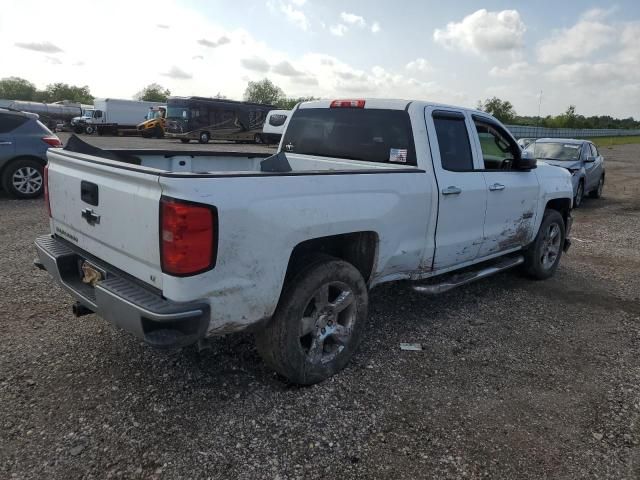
(517, 379)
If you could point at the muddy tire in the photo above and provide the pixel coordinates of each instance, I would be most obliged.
(318, 323)
(542, 257)
(597, 193)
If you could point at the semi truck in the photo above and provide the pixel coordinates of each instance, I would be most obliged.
(112, 116)
(50, 114)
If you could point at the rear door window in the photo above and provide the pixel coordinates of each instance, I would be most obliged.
(9, 122)
(373, 135)
(453, 141)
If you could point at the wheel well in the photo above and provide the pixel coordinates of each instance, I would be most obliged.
(358, 248)
(562, 205)
(22, 157)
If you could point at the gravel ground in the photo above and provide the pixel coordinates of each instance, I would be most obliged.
(517, 379)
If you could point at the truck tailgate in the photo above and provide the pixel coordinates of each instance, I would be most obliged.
(116, 219)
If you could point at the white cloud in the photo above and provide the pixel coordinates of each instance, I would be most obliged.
(256, 64)
(338, 30)
(514, 70)
(285, 69)
(483, 31)
(299, 3)
(419, 65)
(295, 16)
(177, 73)
(578, 42)
(375, 27)
(46, 47)
(353, 19)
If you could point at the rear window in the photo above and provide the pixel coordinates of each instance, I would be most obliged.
(9, 122)
(373, 135)
(277, 120)
(44, 127)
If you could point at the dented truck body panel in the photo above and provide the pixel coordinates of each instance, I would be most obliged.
(262, 216)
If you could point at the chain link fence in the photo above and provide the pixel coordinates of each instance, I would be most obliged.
(520, 131)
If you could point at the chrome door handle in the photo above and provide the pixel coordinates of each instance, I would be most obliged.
(451, 190)
(5, 143)
(496, 186)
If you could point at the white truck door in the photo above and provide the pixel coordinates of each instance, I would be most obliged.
(512, 194)
(462, 192)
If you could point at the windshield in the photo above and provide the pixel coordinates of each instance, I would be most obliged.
(555, 151)
(153, 114)
(88, 114)
(177, 112)
(373, 135)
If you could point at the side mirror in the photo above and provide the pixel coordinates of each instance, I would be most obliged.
(526, 161)
(590, 159)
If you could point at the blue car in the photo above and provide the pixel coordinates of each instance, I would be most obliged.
(580, 157)
(24, 142)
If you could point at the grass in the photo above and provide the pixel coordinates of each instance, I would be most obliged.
(610, 141)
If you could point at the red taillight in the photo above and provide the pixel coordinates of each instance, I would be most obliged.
(347, 104)
(188, 237)
(52, 141)
(45, 180)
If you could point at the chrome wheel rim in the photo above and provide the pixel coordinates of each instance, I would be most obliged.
(204, 137)
(27, 180)
(327, 323)
(550, 246)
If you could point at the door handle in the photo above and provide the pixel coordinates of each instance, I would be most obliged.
(496, 186)
(452, 190)
(5, 143)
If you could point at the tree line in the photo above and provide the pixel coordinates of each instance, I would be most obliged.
(503, 110)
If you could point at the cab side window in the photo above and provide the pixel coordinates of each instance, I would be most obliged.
(594, 150)
(453, 141)
(498, 149)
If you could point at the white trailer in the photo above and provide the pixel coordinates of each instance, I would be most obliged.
(111, 115)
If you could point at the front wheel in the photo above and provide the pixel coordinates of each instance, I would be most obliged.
(577, 200)
(204, 137)
(184, 140)
(89, 129)
(318, 323)
(543, 255)
(158, 132)
(597, 193)
(257, 138)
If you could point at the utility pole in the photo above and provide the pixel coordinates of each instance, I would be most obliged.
(538, 119)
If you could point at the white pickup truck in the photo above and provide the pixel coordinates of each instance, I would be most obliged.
(178, 246)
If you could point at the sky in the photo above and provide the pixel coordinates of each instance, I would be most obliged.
(539, 55)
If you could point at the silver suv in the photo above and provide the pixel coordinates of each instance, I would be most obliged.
(24, 142)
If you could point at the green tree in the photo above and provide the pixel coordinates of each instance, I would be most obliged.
(501, 109)
(264, 91)
(56, 92)
(15, 88)
(153, 93)
(289, 103)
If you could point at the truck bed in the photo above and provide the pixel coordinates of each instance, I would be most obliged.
(199, 162)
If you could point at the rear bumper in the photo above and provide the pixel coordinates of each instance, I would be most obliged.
(122, 301)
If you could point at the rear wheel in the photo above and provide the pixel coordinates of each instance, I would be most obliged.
(204, 137)
(318, 323)
(597, 193)
(184, 140)
(257, 138)
(543, 256)
(89, 129)
(23, 178)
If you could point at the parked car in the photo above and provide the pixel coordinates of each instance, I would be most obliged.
(580, 157)
(274, 126)
(24, 142)
(177, 246)
(525, 142)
